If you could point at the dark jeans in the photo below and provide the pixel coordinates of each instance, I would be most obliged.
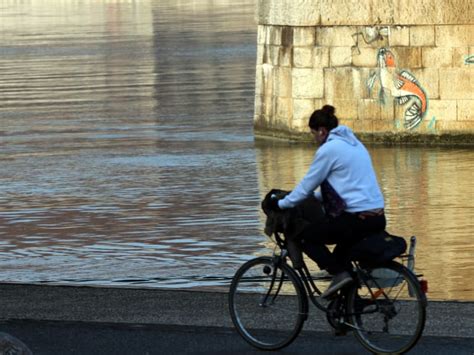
(344, 231)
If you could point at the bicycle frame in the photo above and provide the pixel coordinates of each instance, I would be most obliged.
(308, 280)
(304, 274)
(310, 286)
(277, 260)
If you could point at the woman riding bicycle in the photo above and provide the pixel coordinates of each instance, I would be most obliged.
(350, 194)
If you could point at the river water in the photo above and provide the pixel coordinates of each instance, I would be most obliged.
(128, 156)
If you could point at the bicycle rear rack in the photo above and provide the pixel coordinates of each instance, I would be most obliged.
(411, 254)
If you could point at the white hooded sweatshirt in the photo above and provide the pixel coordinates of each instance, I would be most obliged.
(345, 163)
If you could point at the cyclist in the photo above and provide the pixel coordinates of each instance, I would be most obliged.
(349, 191)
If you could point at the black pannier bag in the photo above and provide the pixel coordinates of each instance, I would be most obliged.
(378, 248)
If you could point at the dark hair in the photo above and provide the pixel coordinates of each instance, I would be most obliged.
(323, 118)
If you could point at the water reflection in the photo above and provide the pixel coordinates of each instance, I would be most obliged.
(127, 152)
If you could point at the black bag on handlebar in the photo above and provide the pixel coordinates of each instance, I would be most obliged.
(378, 248)
(291, 222)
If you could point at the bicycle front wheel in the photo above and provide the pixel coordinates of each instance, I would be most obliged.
(387, 309)
(267, 303)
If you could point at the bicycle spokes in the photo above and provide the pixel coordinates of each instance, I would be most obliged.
(387, 316)
(266, 303)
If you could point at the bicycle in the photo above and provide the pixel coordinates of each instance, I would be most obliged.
(385, 306)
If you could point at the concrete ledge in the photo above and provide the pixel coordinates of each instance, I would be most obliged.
(176, 307)
(401, 138)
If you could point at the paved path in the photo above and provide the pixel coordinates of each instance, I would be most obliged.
(51, 338)
(70, 320)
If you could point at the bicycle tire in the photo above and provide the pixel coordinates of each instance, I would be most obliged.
(268, 315)
(388, 310)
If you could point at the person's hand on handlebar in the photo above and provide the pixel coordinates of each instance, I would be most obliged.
(270, 202)
(273, 203)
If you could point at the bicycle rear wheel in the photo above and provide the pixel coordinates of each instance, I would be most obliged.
(267, 303)
(388, 310)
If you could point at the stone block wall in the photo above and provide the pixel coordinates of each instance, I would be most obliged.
(395, 68)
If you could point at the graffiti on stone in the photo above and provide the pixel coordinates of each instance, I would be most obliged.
(370, 35)
(401, 86)
(432, 124)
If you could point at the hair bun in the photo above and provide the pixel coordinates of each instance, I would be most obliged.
(328, 110)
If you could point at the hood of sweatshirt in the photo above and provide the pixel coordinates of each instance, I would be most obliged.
(342, 133)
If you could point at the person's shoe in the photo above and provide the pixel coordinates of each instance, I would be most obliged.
(339, 281)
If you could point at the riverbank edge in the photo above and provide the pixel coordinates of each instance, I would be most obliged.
(396, 139)
(183, 307)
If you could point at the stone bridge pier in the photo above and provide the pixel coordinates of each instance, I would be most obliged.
(396, 70)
